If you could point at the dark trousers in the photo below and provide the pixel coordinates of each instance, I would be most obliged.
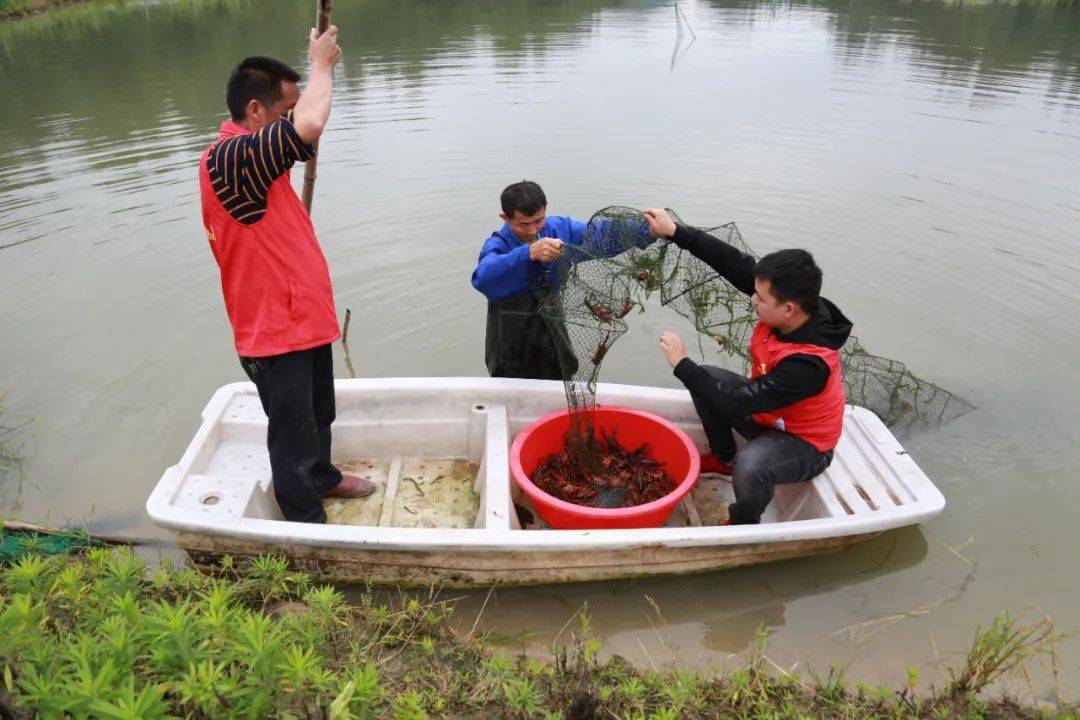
(770, 456)
(297, 393)
(521, 344)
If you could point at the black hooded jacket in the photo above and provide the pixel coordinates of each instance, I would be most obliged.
(794, 378)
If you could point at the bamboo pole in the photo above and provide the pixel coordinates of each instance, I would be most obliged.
(323, 8)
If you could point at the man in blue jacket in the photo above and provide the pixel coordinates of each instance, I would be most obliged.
(516, 270)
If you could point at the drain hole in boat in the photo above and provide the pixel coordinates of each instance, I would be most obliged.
(478, 408)
(210, 499)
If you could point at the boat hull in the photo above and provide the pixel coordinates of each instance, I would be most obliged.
(501, 568)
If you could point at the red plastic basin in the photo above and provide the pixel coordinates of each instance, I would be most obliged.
(633, 428)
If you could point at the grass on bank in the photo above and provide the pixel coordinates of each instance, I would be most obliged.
(14, 8)
(99, 635)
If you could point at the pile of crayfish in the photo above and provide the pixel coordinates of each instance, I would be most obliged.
(601, 466)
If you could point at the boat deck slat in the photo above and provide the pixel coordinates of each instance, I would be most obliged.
(851, 456)
(393, 477)
(841, 482)
(888, 469)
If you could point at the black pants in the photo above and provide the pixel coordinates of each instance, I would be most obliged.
(770, 456)
(297, 394)
(521, 344)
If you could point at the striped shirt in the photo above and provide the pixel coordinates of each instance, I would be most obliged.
(243, 167)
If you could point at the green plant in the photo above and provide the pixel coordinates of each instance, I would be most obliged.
(29, 573)
(633, 690)
(1000, 648)
(98, 635)
(522, 697)
(834, 685)
(681, 689)
(665, 713)
(409, 706)
(268, 575)
(14, 7)
(11, 458)
(366, 691)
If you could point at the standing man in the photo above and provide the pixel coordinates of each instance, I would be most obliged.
(791, 408)
(273, 273)
(517, 268)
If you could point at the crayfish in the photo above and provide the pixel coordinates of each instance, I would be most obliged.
(601, 351)
(605, 469)
(599, 311)
(605, 314)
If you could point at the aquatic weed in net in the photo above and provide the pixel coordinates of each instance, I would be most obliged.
(618, 268)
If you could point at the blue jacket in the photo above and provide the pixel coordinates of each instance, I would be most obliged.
(504, 269)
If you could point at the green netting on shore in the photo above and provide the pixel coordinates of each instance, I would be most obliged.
(14, 544)
(615, 272)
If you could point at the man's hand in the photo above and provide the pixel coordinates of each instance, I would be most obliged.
(672, 346)
(323, 49)
(545, 249)
(660, 223)
(313, 108)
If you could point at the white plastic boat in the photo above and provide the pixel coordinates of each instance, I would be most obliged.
(444, 511)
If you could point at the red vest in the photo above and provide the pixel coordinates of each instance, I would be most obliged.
(273, 272)
(819, 419)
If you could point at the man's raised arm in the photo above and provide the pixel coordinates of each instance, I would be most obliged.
(736, 266)
(313, 108)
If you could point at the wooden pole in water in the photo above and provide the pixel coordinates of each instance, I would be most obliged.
(323, 8)
(345, 343)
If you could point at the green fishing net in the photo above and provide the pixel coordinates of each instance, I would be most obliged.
(616, 270)
(15, 543)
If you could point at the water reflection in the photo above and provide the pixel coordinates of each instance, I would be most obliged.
(115, 67)
(992, 45)
(706, 616)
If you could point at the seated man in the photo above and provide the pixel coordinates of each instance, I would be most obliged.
(791, 409)
(515, 271)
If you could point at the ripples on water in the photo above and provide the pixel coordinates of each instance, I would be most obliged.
(926, 153)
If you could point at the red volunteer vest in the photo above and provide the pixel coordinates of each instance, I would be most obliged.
(819, 419)
(273, 273)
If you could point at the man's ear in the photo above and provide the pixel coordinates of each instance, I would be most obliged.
(505, 217)
(254, 107)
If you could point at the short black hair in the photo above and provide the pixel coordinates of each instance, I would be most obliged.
(793, 277)
(256, 78)
(525, 197)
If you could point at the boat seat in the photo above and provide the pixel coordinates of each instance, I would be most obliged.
(226, 497)
(863, 477)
